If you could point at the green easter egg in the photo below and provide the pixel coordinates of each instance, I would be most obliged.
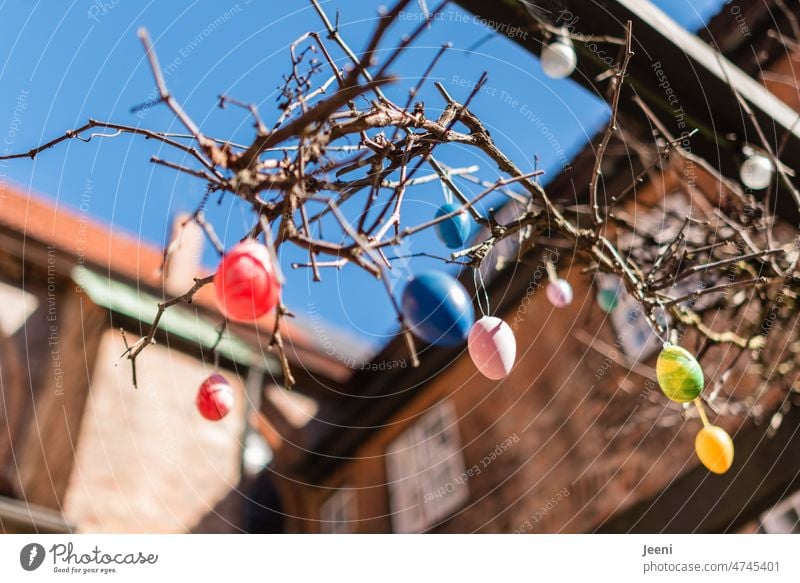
(607, 299)
(679, 374)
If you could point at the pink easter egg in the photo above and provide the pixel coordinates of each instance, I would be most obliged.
(492, 347)
(559, 292)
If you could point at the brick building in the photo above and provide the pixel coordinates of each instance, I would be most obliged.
(577, 438)
(386, 448)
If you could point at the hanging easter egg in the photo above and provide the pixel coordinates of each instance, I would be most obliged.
(492, 347)
(453, 232)
(246, 283)
(214, 398)
(679, 374)
(714, 448)
(558, 58)
(437, 309)
(559, 293)
(756, 171)
(608, 299)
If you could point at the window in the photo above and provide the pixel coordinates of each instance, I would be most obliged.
(338, 513)
(425, 470)
(783, 518)
(633, 332)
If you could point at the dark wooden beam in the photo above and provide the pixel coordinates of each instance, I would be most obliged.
(19, 517)
(765, 470)
(668, 58)
(61, 369)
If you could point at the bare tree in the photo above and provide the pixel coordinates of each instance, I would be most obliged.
(339, 134)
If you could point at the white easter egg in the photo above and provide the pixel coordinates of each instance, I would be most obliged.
(492, 347)
(558, 59)
(757, 171)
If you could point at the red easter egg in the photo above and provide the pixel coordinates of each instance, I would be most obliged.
(214, 398)
(246, 284)
(492, 347)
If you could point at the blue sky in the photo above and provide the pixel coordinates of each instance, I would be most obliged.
(84, 60)
(692, 14)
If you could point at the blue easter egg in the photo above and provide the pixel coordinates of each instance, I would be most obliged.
(454, 232)
(438, 309)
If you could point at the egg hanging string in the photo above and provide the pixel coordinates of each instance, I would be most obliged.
(448, 194)
(552, 274)
(270, 245)
(221, 330)
(701, 411)
(477, 275)
(654, 326)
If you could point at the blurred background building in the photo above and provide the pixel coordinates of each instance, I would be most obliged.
(368, 444)
(578, 438)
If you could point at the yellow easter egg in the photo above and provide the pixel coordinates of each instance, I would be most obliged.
(714, 448)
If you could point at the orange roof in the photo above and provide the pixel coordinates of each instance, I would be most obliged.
(80, 236)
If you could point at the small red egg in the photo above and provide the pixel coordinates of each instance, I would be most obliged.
(492, 347)
(246, 284)
(214, 398)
